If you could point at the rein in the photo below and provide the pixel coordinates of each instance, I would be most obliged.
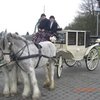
(18, 58)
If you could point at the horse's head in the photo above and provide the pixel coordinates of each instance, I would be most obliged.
(4, 47)
(11, 43)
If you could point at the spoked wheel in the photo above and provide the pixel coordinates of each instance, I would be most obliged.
(60, 66)
(92, 59)
(70, 62)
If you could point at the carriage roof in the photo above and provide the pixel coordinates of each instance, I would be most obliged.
(64, 31)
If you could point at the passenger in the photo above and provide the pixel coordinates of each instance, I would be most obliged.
(44, 24)
(53, 26)
(47, 29)
(42, 17)
(43, 29)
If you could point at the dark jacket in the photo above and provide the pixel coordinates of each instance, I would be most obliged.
(53, 29)
(44, 24)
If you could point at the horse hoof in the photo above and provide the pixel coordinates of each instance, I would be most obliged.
(36, 97)
(46, 85)
(13, 94)
(51, 88)
(24, 98)
(6, 95)
(25, 95)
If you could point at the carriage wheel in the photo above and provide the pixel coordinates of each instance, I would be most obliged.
(92, 59)
(70, 62)
(60, 66)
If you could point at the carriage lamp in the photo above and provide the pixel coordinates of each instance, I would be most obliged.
(98, 41)
(98, 3)
(98, 11)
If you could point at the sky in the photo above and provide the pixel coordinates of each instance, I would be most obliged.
(21, 15)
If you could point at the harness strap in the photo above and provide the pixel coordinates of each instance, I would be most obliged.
(20, 66)
(15, 58)
(3, 43)
(39, 58)
(1, 65)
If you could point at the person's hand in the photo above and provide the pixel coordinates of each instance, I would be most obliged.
(43, 30)
(39, 29)
(53, 39)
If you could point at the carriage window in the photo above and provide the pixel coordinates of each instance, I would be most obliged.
(71, 38)
(80, 38)
(61, 38)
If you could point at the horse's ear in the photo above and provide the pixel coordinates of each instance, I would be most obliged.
(9, 35)
(5, 31)
(3, 34)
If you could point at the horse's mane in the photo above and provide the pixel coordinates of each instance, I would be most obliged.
(15, 36)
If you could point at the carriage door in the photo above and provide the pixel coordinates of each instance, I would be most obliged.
(81, 44)
(76, 44)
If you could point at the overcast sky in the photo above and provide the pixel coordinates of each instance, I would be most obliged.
(21, 15)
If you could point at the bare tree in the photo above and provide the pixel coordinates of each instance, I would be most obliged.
(86, 20)
(88, 7)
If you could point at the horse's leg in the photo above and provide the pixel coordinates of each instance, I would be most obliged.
(6, 90)
(19, 76)
(47, 75)
(52, 75)
(36, 91)
(13, 81)
(26, 83)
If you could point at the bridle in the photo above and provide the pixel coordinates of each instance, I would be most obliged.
(3, 53)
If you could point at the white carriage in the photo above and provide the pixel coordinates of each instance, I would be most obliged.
(73, 46)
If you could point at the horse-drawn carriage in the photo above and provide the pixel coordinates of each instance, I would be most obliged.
(73, 46)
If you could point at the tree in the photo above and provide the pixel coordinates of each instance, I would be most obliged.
(86, 19)
(88, 7)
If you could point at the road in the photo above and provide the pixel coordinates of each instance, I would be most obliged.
(76, 83)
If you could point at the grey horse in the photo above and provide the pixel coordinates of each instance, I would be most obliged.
(27, 55)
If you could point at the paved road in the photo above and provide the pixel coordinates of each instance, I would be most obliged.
(76, 83)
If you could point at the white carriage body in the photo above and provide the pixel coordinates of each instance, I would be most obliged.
(74, 42)
(73, 46)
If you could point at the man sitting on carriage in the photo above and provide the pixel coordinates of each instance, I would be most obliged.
(47, 28)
